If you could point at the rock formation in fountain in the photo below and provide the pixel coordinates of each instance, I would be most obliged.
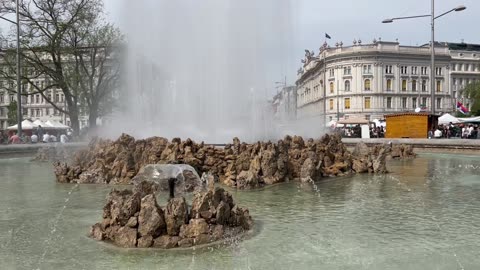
(53, 153)
(134, 219)
(240, 165)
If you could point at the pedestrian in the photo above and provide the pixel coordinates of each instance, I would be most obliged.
(14, 139)
(40, 132)
(46, 137)
(63, 138)
(34, 138)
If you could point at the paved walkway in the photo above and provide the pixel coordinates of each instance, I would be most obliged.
(473, 144)
(15, 149)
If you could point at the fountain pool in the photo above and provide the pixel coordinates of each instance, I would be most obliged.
(423, 215)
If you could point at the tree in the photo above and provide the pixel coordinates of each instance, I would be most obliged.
(96, 69)
(54, 36)
(472, 92)
(12, 113)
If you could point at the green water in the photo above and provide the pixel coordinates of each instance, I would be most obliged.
(424, 215)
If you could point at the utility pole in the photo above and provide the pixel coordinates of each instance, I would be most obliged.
(19, 86)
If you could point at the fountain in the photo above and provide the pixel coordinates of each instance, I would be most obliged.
(204, 71)
(134, 219)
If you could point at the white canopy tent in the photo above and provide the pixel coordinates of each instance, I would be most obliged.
(26, 125)
(470, 120)
(448, 118)
(334, 123)
(379, 123)
(56, 125)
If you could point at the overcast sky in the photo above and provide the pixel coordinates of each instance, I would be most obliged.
(345, 20)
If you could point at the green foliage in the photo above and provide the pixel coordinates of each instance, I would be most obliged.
(472, 92)
(12, 113)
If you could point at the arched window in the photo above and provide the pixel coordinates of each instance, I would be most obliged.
(347, 86)
(389, 85)
(332, 88)
(367, 85)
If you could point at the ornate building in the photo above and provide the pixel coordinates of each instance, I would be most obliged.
(371, 80)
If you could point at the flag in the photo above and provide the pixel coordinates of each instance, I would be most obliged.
(461, 108)
(327, 36)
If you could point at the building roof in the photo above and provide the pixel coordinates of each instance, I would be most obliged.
(409, 113)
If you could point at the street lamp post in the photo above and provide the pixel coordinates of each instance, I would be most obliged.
(432, 44)
(19, 87)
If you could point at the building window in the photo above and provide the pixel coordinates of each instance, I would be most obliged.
(388, 70)
(424, 86)
(347, 86)
(414, 103)
(367, 103)
(2, 98)
(11, 98)
(332, 88)
(347, 103)
(454, 67)
(414, 70)
(439, 86)
(414, 85)
(331, 104)
(438, 71)
(32, 113)
(332, 72)
(460, 67)
(38, 112)
(367, 85)
(347, 70)
(389, 85)
(424, 102)
(467, 67)
(404, 103)
(423, 70)
(403, 70)
(389, 102)
(57, 97)
(439, 103)
(367, 69)
(404, 85)
(37, 99)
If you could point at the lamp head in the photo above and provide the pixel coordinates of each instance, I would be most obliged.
(387, 21)
(460, 8)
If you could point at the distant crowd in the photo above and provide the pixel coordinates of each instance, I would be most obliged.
(38, 135)
(356, 131)
(464, 131)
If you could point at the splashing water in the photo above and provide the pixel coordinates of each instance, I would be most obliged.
(204, 69)
(48, 241)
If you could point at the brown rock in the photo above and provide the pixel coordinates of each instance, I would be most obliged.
(145, 241)
(166, 241)
(126, 237)
(132, 222)
(186, 242)
(151, 219)
(223, 213)
(194, 228)
(96, 232)
(175, 215)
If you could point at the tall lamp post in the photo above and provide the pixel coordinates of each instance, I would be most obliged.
(19, 88)
(432, 43)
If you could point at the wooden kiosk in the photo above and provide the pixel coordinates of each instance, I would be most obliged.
(410, 125)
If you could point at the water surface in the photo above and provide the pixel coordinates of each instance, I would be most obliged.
(423, 215)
